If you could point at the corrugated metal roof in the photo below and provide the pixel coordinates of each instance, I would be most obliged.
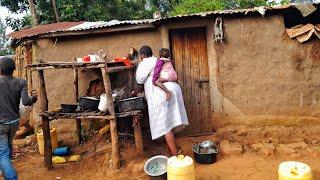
(42, 29)
(82, 26)
(102, 24)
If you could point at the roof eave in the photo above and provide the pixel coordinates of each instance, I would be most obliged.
(99, 31)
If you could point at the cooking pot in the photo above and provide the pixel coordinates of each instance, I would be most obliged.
(208, 157)
(89, 103)
(131, 104)
(69, 108)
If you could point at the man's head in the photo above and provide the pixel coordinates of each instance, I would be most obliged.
(7, 66)
(145, 52)
(164, 53)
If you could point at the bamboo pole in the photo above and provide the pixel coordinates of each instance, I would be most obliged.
(45, 123)
(113, 123)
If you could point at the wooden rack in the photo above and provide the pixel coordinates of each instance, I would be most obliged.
(47, 116)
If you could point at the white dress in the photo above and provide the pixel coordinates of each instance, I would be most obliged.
(164, 116)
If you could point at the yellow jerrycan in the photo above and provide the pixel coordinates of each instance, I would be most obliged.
(54, 140)
(292, 170)
(180, 168)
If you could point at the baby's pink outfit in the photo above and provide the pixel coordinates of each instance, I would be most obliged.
(164, 69)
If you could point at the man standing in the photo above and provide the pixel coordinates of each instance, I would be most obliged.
(11, 90)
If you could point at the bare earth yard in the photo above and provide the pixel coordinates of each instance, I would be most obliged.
(259, 164)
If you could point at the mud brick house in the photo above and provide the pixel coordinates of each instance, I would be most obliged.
(235, 67)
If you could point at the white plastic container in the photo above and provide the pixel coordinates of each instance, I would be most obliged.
(103, 104)
(94, 58)
(79, 60)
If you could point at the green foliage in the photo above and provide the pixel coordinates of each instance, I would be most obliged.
(163, 6)
(243, 4)
(194, 6)
(4, 43)
(16, 24)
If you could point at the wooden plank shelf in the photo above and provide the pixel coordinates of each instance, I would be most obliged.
(87, 115)
(74, 65)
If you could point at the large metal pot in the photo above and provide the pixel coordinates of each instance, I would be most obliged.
(205, 158)
(131, 104)
(89, 103)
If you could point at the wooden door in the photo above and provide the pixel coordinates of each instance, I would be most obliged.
(189, 53)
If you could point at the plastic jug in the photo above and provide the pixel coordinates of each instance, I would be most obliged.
(180, 168)
(54, 140)
(103, 104)
(292, 170)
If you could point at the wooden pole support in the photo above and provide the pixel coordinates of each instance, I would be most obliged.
(137, 133)
(45, 122)
(75, 85)
(47, 143)
(76, 95)
(43, 93)
(113, 123)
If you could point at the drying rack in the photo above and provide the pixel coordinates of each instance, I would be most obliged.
(47, 116)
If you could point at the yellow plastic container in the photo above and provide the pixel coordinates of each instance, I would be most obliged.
(59, 160)
(180, 168)
(54, 140)
(292, 170)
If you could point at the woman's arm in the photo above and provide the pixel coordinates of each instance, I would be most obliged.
(26, 100)
(143, 71)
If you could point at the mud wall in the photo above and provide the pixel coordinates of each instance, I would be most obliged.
(263, 77)
(59, 83)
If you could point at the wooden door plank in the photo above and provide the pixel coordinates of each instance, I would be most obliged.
(189, 52)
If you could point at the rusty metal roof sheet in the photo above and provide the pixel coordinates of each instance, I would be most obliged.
(42, 29)
(82, 26)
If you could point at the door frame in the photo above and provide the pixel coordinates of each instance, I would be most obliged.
(216, 98)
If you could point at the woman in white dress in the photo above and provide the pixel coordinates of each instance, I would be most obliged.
(166, 117)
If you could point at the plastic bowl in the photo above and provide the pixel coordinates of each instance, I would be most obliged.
(156, 166)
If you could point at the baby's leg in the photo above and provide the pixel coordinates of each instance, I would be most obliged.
(160, 84)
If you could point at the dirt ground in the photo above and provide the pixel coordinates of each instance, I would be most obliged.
(95, 163)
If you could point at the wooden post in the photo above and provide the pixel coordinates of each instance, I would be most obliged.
(137, 133)
(45, 123)
(113, 123)
(75, 85)
(76, 95)
(78, 124)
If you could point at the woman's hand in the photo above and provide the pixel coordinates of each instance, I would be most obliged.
(137, 90)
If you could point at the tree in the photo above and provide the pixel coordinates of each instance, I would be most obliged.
(54, 4)
(163, 6)
(194, 6)
(33, 11)
(4, 43)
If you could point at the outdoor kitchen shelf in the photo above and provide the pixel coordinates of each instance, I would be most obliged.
(74, 65)
(47, 116)
(86, 115)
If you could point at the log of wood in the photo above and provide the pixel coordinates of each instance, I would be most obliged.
(137, 133)
(113, 123)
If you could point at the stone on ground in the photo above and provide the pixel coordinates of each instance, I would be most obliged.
(265, 148)
(228, 148)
